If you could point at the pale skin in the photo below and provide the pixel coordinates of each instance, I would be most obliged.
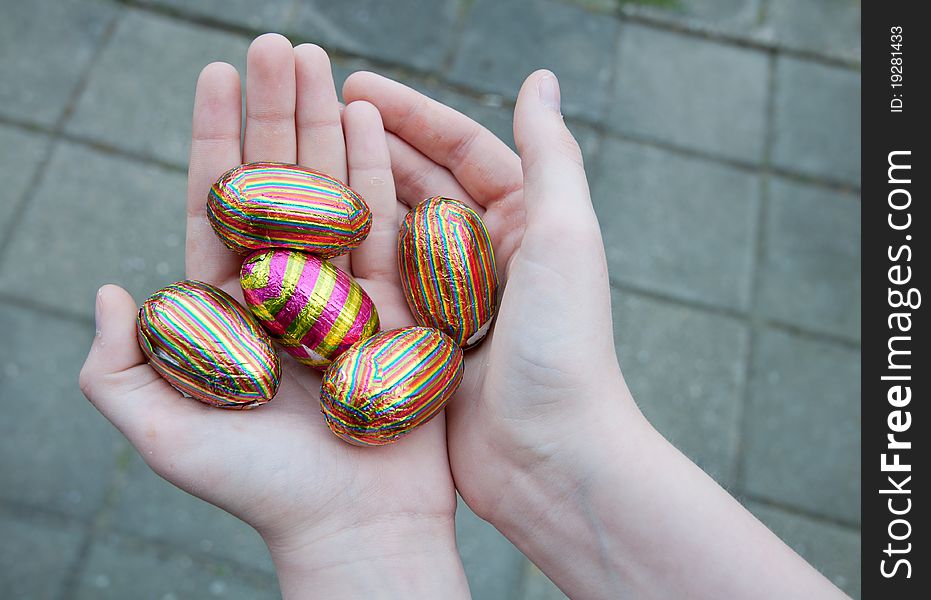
(543, 439)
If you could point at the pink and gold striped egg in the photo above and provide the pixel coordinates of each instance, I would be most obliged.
(311, 308)
(207, 346)
(278, 205)
(448, 269)
(386, 386)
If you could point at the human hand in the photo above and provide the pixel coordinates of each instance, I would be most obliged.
(350, 520)
(545, 440)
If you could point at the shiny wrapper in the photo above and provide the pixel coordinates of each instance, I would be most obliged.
(207, 346)
(311, 308)
(448, 269)
(386, 386)
(278, 205)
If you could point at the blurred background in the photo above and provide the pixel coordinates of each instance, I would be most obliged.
(721, 139)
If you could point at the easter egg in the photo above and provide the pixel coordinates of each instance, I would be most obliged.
(208, 346)
(311, 308)
(277, 205)
(448, 269)
(386, 386)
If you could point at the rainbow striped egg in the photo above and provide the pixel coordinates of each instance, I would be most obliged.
(448, 269)
(278, 205)
(386, 386)
(207, 346)
(311, 308)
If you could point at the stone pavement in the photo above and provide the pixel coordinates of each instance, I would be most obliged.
(722, 142)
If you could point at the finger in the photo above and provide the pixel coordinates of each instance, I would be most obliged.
(214, 150)
(117, 380)
(484, 165)
(370, 175)
(416, 177)
(270, 98)
(559, 211)
(320, 143)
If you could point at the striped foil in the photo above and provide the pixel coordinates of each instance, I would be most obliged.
(384, 387)
(311, 308)
(278, 205)
(448, 269)
(207, 346)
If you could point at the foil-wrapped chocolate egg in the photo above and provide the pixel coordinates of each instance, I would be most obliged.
(311, 308)
(386, 386)
(207, 346)
(277, 205)
(448, 269)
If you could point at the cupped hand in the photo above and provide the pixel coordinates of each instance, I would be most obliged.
(545, 384)
(278, 467)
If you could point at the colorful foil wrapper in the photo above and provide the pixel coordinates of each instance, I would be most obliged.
(278, 205)
(312, 309)
(390, 384)
(207, 346)
(448, 269)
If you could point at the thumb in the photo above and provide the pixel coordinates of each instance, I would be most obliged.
(556, 193)
(116, 377)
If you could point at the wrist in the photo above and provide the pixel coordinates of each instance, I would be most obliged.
(392, 556)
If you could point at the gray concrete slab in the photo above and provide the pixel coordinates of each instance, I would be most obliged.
(56, 451)
(677, 225)
(121, 568)
(140, 94)
(686, 370)
(45, 47)
(96, 219)
(816, 129)
(690, 92)
(801, 442)
(505, 40)
(810, 271)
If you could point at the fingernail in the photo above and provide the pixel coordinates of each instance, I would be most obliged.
(98, 309)
(548, 88)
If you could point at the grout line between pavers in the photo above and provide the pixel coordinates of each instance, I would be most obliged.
(759, 255)
(737, 314)
(426, 75)
(19, 213)
(798, 511)
(73, 573)
(24, 510)
(723, 37)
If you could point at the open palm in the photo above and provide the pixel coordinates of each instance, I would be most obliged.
(276, 467)
(523, 393)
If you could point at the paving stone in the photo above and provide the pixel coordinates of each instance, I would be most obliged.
(141, 91)
(492, 565)
(691, 92)
(104, 219)
(537, 586)
(56, 451)
(20, 154)
(817, 120)
(810, 272)
(833, 550)
(506, 40)
(677, 225)
(37, 554)
(151, 507)
(830, 27)
(268, 15)
(120, 568)
(801, 442)
(415, 34)
(686, 369)
(45, 45)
